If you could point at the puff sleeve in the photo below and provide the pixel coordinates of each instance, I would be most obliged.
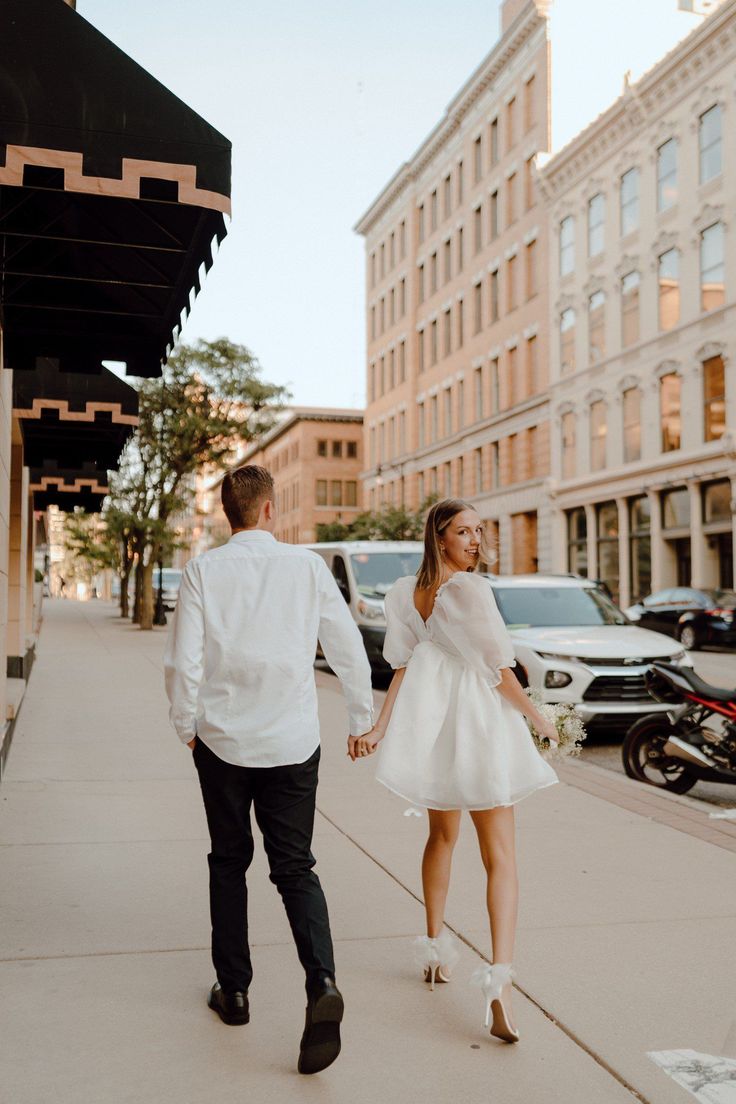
(400, 639)
(465, 612)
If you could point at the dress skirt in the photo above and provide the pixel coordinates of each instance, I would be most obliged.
(453, 741)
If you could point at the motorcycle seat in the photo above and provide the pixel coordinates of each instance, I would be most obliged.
(699, 686)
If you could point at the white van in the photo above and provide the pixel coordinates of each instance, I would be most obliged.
(364, 571)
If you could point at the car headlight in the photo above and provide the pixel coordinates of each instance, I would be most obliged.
(564, 658)
(554, 680)
(370, 611)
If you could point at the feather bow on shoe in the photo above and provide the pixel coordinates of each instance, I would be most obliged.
(436, 956)
(491, 980)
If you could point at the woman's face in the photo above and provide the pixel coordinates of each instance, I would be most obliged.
(461, 541)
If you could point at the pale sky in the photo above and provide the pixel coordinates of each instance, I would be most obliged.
(323, 100)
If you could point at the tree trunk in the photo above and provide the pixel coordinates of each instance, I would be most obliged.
(146, 605)
(124, 600)
(138, 580)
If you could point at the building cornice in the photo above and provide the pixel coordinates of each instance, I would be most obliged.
(490, 69)
(297, 415)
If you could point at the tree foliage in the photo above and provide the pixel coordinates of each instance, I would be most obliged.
(388, 523)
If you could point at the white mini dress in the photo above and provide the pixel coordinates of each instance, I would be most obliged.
(453, 741)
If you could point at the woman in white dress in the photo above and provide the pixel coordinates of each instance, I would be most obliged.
(454, 737)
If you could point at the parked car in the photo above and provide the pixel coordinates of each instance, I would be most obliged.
(171, 582)
(364, 571)
(573, 644)
(693, 616)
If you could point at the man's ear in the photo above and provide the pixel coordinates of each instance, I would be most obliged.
(269, 510)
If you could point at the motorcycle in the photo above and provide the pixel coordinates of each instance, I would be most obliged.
(676, 749)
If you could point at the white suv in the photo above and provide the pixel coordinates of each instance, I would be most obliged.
(574, 645)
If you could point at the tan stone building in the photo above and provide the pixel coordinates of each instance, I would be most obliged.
(456, 311)
(642, 275)
(315, 456)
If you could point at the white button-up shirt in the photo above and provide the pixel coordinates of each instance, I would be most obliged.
(239, 663)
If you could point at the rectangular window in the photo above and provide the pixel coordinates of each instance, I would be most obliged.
(531, 269)
(567, 341)
(460, 404)
(402, 298)
(460, 182)
(478, 229)
(477, 309)
(710, 143)
(447, 193)
(494, 141)
(382, 315)
(478, 387)
(567, 245)
(402, 239)
(382, 375)
(402, 362)
(494, 215)
(528, 183)
(420, 222)
(495, 387)
(714, 394)
(371, 382)
(495, 296)
(630, 309)
(598, 429)
(320, 495)
(420, 284)
(448, 332)
(420, 351)
(712, 247)
(495, 466)
(351, 450)
(513, 369)
(460, 259)
(433, 274)
(337, 449)
(511, 199)
(596, 327)
(335, 492)
(478, 470)
(629, 202)
(321, 448)
(433, 351)
(392, 307)
(477, 159)
(392, 249)
(529, 103)
(434, 416)
(420, 425)
(669, 407)
(511, 284)
(351, 492)
(448, 260)
(392, 369)
(532, 366)
(667, 175)
(460, 323)
(510, 123)
(568, 444)
(632, 424)
(596, 224)
(669, 289)
(448, 412)
(433, 210)
(373, 269)
(460, 477)
(402, 433)
(373, 323)
(383, 260)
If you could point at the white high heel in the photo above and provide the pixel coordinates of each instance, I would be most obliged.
(491, 980)
(436, 957)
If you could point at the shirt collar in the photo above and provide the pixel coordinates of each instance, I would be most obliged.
(248, 535)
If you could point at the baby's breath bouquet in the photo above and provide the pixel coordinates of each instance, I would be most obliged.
(570, 729)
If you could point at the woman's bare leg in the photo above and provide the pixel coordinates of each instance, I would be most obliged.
(496, 837)
(436, 864)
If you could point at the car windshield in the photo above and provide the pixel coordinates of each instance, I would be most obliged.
(376, 572)
(553, 607)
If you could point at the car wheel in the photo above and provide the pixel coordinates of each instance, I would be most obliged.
(689, 638)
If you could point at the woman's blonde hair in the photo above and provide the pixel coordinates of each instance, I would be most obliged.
(439, 517)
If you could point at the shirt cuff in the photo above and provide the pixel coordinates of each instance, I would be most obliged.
(360, 723)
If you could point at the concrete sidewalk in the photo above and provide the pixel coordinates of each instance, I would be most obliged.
(625, 936)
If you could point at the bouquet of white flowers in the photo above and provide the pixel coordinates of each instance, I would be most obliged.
(570, 729)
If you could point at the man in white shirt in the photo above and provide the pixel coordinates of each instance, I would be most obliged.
(240, 680)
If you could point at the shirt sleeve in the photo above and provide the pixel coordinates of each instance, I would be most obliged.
(184, 656)
(343, 649)
(400, 640)
(465, 611)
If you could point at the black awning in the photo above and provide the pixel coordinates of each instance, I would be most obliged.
(85, 486)
(72, 418)
(111, 193)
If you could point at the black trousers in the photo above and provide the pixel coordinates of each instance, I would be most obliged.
(283, 800)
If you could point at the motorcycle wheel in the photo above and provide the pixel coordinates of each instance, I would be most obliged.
(644, 758)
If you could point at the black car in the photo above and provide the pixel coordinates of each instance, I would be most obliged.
(695, 617)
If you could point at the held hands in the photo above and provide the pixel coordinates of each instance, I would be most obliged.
(360, 746)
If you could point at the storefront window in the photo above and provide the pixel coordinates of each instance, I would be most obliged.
(640, 523)
(717, 502)
(577, 541)
(676, 509)
(607, 541)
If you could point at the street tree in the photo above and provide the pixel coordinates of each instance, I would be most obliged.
(388, 523)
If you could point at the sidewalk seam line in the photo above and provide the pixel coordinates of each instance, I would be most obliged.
(557, 1023)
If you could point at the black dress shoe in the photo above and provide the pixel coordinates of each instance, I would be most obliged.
(232, 1008)
(320, 1043)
